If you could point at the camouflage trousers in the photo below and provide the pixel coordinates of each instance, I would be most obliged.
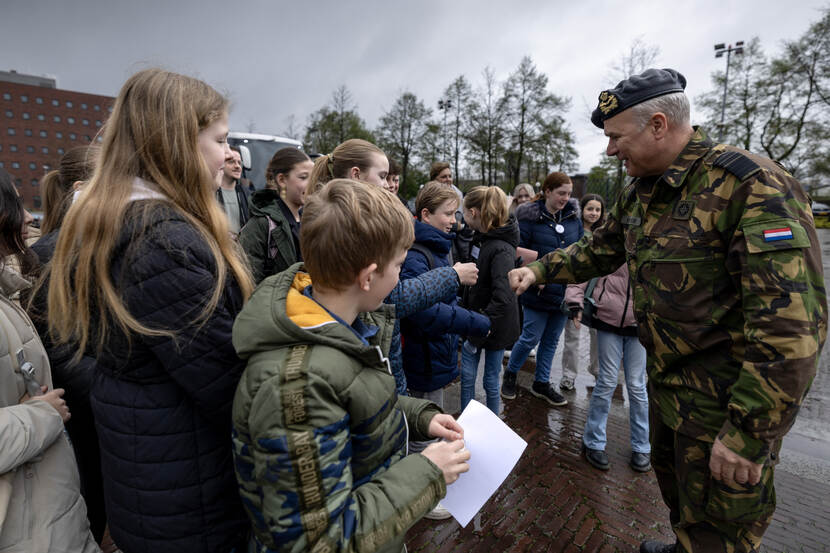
(707, 515)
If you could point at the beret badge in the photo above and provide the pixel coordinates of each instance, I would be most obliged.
(607, 102)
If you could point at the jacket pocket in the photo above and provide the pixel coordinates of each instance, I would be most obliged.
(682, 288)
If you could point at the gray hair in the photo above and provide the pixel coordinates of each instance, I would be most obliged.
(674, 106)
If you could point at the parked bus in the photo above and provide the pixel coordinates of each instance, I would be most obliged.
(257, 150)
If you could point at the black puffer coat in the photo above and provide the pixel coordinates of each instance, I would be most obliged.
(163, 406)
(491, 294)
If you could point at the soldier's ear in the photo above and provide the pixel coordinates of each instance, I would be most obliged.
(659, 125)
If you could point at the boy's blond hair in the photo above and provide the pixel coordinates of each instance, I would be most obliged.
(432, 195)
(347, 226)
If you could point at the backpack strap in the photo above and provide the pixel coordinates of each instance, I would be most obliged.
(426, 253)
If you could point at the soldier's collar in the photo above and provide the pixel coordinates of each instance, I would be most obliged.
(699, 144)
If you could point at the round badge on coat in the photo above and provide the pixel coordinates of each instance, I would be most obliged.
(559, 228)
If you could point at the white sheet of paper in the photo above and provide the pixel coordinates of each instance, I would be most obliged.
(494, 451)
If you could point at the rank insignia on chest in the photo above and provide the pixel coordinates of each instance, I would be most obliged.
(683, 210)
(772, 235)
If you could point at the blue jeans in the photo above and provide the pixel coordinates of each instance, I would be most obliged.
(542, 328)
(614, 350)
(469, 369)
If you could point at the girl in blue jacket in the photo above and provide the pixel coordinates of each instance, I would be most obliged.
(430, 337)
(546, 224)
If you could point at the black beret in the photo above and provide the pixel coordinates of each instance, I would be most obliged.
(635, 90)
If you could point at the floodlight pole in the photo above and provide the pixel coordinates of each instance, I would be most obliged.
(719, 50)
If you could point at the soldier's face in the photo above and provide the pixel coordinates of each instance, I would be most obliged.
(631, 143)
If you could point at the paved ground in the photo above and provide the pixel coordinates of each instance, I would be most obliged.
(555, 501)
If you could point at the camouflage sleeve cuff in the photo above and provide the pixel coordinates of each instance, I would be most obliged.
(538, 269)
(738, 441)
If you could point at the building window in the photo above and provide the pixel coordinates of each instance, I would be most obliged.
(70, 120)
(38, 100)
(32, 165)
(87, 138)
(10, 131)
(35, 182)
(100, 139)
(30, 149)
(41, 117)
(24, 98)
(97, 123)
(45, 150)
(12, 147)
(27, 132)
(56, 118)
(46, 167)
(2, 164)
(9, 113)
(43, 134)
(36, 202)
(26, 115)
(61, 151)
(83, 106)
(96, 107)
(58, 134)
(109, 109)
(15, 165)
(85, 122)
(56, 103)
(73, 136)
(68, 104)
(7, 96)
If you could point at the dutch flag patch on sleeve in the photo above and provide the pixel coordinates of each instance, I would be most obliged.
(772, 235)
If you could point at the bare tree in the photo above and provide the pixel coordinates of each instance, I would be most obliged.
(290, 129)
(458, 93)
(484, 122)
(401, 129)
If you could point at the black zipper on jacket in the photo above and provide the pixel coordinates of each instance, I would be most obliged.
(625, 307)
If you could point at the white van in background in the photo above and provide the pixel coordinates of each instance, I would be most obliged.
(257, 150)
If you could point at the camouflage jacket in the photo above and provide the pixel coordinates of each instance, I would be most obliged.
(728, 291)
(319, 434)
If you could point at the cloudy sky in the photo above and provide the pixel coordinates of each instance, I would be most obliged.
(276, 58)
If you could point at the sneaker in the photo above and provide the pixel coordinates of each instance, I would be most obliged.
(652, 546)
(545, 391)
(597, 458)
(507, 354)
(566, 384)
(438, 513)
(532, 354)
(508, 385)
(641, 462)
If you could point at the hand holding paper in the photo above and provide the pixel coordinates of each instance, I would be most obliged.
(494, 449)
(450, 457)
(445, 427)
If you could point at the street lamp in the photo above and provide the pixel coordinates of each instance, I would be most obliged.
(445, 106)
(719, 50)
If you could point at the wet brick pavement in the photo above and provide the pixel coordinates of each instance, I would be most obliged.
(554, 501)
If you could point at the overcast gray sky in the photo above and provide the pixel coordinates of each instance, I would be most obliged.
(276, 58)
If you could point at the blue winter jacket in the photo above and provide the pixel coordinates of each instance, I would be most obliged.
(430, 337)
(537, 228)
(411, 296)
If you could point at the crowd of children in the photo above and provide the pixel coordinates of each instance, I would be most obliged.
(267, 373)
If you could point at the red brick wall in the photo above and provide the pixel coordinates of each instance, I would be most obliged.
(30, 162)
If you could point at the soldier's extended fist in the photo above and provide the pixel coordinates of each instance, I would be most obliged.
(521, 279)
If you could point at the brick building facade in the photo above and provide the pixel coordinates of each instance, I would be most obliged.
(39, 123)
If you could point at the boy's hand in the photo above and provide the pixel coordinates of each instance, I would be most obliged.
(467, 273)
(450, 457)
(445, 427)
(521, 279)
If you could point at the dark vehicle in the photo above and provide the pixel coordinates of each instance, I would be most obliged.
(257, 150)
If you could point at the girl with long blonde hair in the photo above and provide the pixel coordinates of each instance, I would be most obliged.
(146, 279)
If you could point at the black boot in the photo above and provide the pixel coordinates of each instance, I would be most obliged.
(508, 385)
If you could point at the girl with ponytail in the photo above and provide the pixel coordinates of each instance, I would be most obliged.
(494, 251)
(353, 159)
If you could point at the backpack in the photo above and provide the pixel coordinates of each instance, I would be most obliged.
(420, 248)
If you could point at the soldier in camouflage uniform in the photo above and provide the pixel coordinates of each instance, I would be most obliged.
(729, 299)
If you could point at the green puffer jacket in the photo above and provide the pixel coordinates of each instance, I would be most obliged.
(319, 434)
(266, 237)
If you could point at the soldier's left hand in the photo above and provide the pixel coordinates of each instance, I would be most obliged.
(730, 468)
(445, 427)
